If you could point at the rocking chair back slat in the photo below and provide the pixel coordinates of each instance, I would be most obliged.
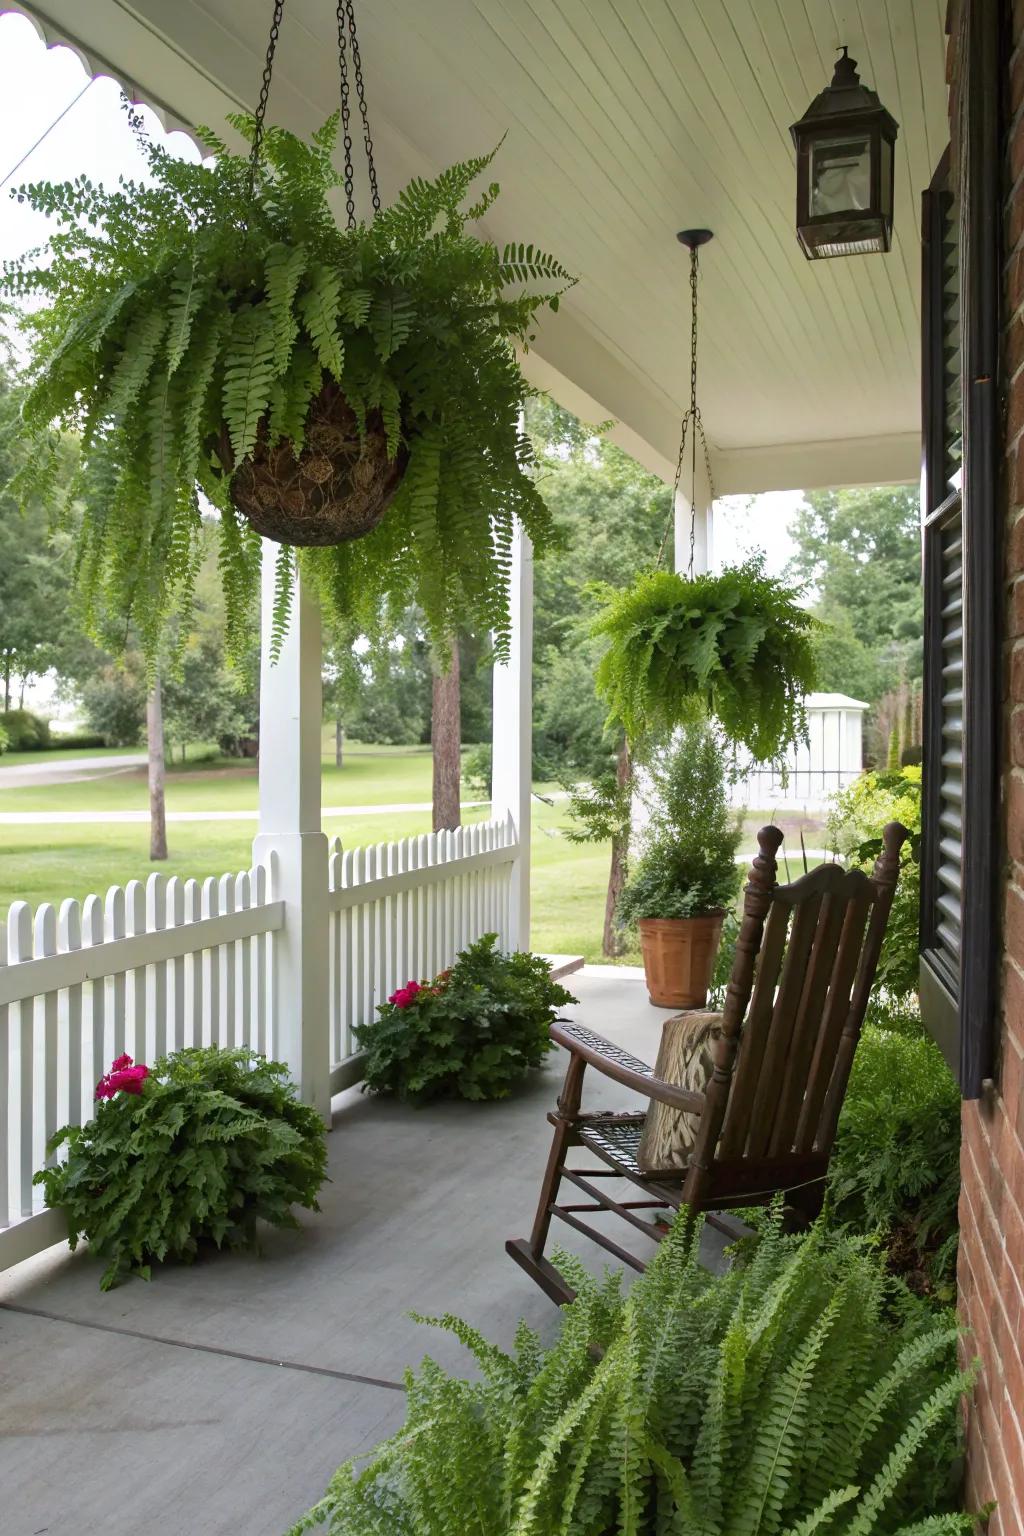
(756, 1030)
(834, 1016)
(779, 1044)
(808, 1025)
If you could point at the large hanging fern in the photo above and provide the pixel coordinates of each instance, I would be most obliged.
(173, 310)
(801, 1393)
(737, 642)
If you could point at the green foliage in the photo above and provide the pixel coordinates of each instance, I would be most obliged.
(114, 701)
(737, 642)
(167, 315)
(25, 731)
(861, 549)
(687, 865)
(896, 1163)
(34, 573)
(5, 740)
(855, 824)
(610, 516)
(800, 1392)
(214, 1142)
(472, 1033)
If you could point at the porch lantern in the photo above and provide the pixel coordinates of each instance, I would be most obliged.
(844, 169)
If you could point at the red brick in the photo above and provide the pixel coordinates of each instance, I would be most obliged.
(1017, 657)
(1015, 816)
(1014, 282)
(1017, 608)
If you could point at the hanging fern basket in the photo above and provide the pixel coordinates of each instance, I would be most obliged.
(335, 487)
(737, 644)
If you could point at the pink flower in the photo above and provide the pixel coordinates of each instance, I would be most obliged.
(406, 995)
(123, 1077)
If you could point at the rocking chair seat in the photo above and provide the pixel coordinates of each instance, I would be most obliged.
(616, 1139)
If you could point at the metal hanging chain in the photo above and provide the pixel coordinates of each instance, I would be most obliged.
(261, 109)
(361, 98)
(346, 119)
(692, 427)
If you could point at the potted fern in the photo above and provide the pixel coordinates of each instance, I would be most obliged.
(355, 391)
(686, 877)
(736, 643)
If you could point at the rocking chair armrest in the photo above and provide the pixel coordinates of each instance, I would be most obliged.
(612, 1061)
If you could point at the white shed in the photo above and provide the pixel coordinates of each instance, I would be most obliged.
(831, 758)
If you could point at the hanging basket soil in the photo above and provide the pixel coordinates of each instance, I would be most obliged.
(337, 488)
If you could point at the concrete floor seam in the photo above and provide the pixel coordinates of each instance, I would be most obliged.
(205, 1349)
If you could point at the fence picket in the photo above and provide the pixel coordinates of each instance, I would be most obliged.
(225, 966)
(135, 918)
(241, 964)
(46, 1033)
(260, 959)
(72, 1046)
(211, 970)
(154, 1030)
(175, 916)
(19, 947)
(114, 928)
(194, 967)
(93, 928)
(6, 1117)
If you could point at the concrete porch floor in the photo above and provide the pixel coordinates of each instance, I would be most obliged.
(221, 1398)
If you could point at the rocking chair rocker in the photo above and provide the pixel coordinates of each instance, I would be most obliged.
(805, 962)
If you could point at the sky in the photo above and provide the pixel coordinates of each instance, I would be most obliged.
(37, 84)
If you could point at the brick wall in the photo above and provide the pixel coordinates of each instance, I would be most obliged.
(991, 1269)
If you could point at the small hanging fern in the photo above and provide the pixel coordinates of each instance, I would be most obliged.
(737, 643)
(171, 319)
(801, 1393)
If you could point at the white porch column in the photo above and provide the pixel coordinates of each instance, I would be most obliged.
(512, 735)
(290, 727)
(703, 544)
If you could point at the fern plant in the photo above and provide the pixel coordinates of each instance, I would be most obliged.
(798, 1394)
(171, 317)
(737, 643)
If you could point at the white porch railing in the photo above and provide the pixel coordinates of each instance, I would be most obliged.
(155, 967)
(401, 912)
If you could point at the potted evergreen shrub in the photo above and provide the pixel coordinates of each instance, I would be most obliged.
(355, 391)
(686, 877)
(737, 643)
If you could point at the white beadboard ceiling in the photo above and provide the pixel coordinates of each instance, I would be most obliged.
(625, 120)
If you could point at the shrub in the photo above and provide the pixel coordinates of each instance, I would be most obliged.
(5, 741)
(476, 770)
(687, 863)
(195, 1151)
(855, 825)
(472, 1033)
(78, 740)
(25, 731)
(799, 1392)
(114, 701)
(896, 1163)
(738, 642)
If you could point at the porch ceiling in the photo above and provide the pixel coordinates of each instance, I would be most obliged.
(626, 120)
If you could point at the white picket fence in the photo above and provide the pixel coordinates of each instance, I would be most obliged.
(401, 912)
(169, 963)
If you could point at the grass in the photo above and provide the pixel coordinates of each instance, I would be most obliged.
(49, 863)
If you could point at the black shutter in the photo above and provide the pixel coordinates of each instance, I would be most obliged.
(962, 841)
(942, 833)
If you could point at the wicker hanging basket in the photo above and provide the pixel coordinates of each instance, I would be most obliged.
(337, 488)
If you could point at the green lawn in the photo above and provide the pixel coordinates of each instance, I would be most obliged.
(48, 863)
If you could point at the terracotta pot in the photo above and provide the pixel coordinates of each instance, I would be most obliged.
(679, 958)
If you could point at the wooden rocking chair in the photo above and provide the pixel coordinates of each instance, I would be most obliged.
(805, 962)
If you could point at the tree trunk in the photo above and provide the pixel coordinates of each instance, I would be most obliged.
(611, 942)
(24, 685)
(339, 744)
(155, 742)
(446, 741)
(7, 682)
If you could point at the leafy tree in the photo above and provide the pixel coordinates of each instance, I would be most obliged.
(610, 516)
(862, 550)
(114, 701)
(35, 617)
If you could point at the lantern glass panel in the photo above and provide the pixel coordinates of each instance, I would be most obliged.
(840, 175)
